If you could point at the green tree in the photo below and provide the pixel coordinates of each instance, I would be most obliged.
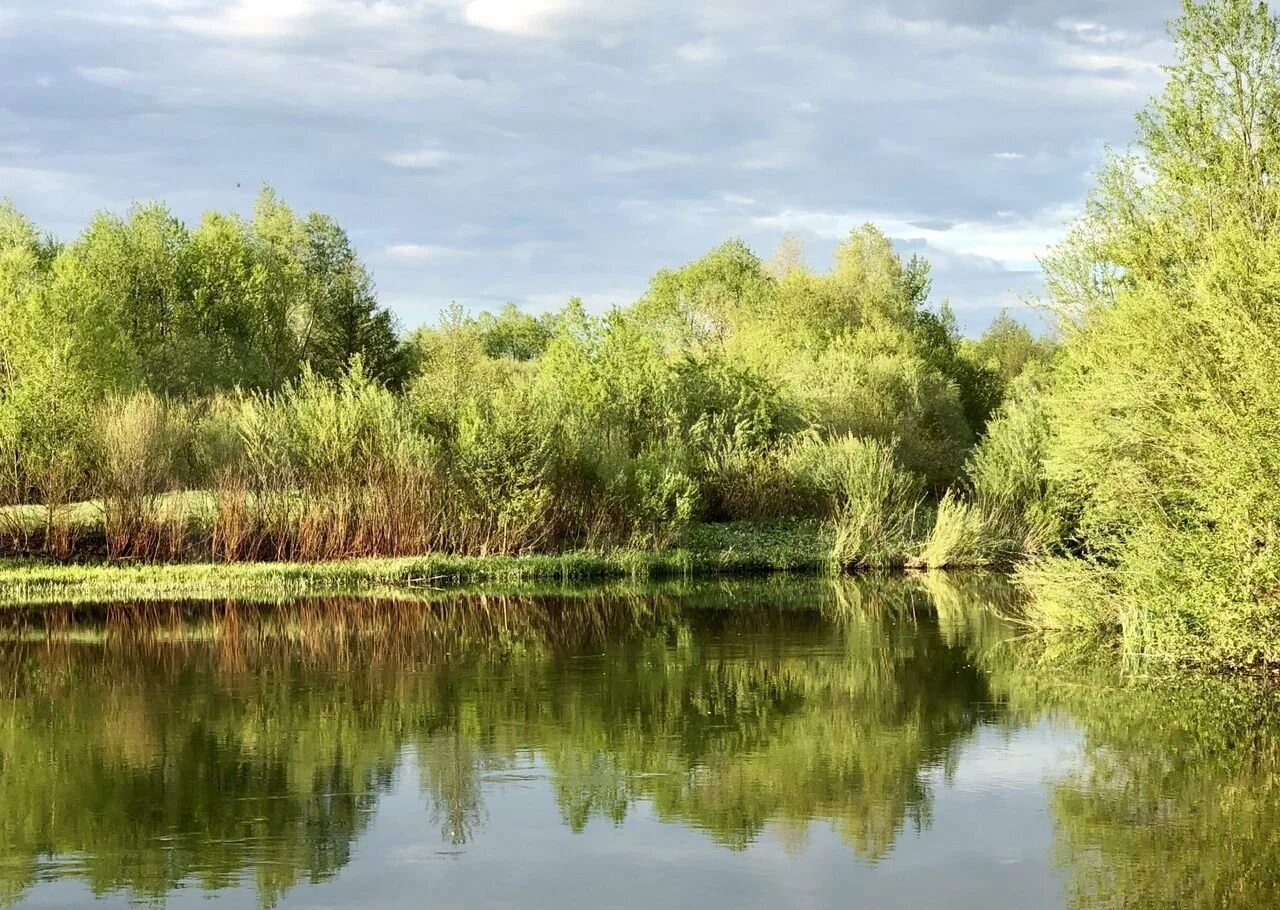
(1164, 411)
(1006, 348)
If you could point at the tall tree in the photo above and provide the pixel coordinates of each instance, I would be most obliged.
(1165, 414)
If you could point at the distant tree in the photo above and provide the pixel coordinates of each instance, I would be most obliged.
(515, 334)
(1007, 347)
(345, 317)
(788, 257)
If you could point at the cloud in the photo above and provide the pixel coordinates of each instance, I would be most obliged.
(577, 146)
(640, 160)
(527, 18)
(934, 32)
(249, 19)
(57, 199)
(113, 76)
(423, 158)
(1015, 242)
(1094, 62)
(704, 51)
(1094, 32)
(236, 77)
(420, 252)
(274, 19)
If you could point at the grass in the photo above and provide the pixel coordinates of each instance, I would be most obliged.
(710, 550)
(960, 537)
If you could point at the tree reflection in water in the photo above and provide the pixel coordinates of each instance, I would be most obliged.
(145, 748)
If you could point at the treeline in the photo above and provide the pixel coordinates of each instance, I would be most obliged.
(234, 391)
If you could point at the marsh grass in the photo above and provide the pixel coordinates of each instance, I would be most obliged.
(878, 505)
(960, 537)
(345, 471)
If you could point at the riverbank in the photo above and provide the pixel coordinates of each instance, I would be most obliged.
(710, 550)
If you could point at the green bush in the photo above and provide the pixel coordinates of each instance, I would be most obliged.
(1164, 412)
(238, 376)
(878, 504)
(959, 538)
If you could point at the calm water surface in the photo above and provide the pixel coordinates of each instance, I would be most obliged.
(878, 743)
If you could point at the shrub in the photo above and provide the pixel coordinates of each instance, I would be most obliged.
(664, 499)
(139, 444)
(505, 458)
(874, 385)
(878, 504)
(1006, 472)
(959, 537)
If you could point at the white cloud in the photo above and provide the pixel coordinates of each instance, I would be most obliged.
(1103, 63)
(933, 33)
(264, 19)
(249, 19)
(529, 18)
(420, 252)
(765, 163)
(227, 76)
(1099, 53)
(1094, 32)
(422, 159)
(705, 51)
(640, 160)
(202, 94)
(114, 76)
(1016, 243)
(58, 199)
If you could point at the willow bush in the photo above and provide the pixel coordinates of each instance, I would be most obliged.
(1162, 413)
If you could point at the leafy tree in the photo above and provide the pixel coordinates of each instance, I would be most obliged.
(1163, 412)
(1007, 348)
(515, 334)
(333, 312)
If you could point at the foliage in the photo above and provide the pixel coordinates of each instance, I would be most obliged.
(960, 537)
(233, 391)
(877, 504)
(230, 303)
(1007, 349)
(1162, 414)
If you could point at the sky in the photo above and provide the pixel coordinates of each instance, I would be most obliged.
(485, 151)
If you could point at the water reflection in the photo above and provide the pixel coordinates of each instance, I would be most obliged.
(145, 750)
(1176, 800)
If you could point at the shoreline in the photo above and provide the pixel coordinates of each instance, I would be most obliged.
(726, 550)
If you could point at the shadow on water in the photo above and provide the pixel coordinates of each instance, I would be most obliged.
(148, 749)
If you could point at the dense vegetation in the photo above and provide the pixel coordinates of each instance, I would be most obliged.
(234, 392)
(1161, 424)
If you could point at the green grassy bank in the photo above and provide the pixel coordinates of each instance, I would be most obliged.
(709, 550)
